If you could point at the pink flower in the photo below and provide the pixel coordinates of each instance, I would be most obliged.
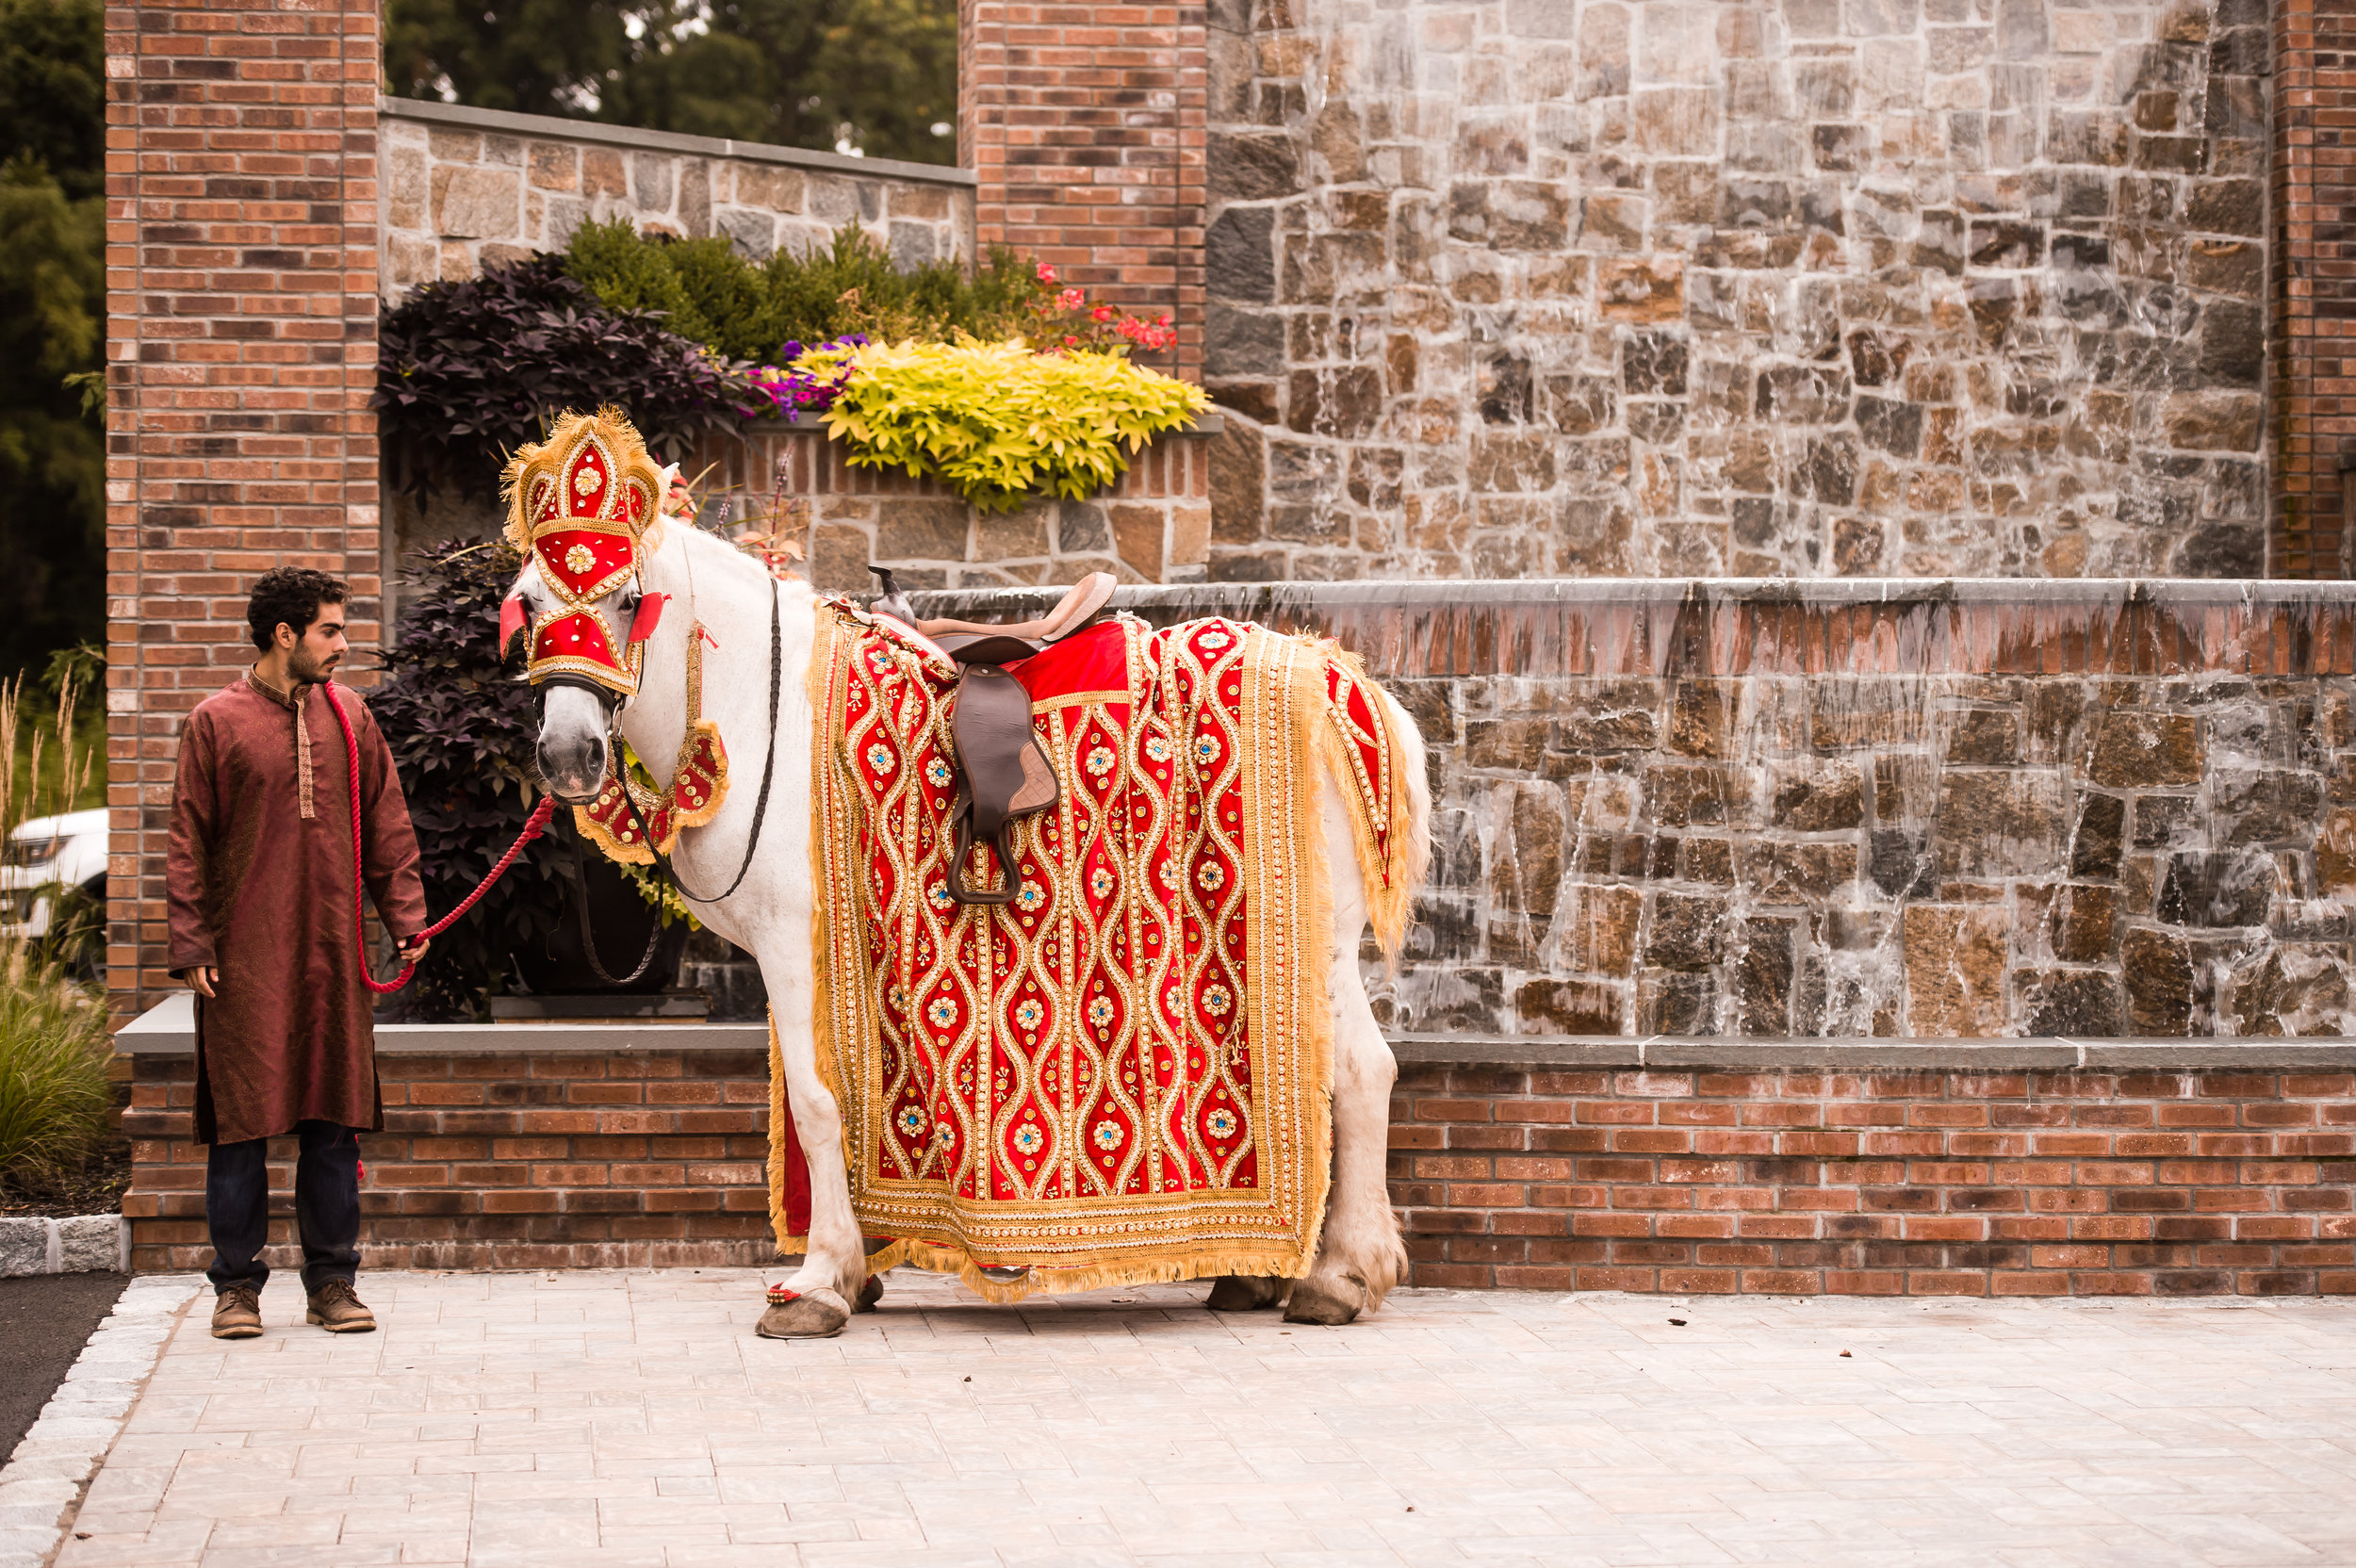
(1102, 313)
(1073, 298)
(1046, 273)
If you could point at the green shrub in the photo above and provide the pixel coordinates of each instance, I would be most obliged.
(751, 310)
(54, 1094)
(998, 423)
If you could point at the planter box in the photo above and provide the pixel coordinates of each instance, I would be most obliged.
(1153, 525)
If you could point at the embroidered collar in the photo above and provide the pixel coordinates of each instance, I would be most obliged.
(290, 700)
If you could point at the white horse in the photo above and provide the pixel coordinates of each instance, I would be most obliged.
(1360, 1256)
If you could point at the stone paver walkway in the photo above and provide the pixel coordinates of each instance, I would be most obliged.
(593, 1419)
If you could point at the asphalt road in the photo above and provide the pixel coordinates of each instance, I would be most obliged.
(43, 1320)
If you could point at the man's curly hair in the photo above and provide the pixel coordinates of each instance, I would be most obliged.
(293, 595)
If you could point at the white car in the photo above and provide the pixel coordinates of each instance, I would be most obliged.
(43, 854)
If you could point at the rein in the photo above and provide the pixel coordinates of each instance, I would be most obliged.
(539, 819)
(768, 776)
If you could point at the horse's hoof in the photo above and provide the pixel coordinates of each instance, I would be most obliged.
(1314, 1303)
(869, 1294)
(1244, 1293)
(812, 1314)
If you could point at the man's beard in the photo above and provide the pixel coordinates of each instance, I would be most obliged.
(305, 668)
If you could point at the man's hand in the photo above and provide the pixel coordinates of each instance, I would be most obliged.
(204, 977)
(413, 949)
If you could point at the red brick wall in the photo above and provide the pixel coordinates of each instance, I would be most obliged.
(1085, 126)
(1939, 1184)
(635, 1160)
(241, 350)
(2314, 180)
(1787, 1181)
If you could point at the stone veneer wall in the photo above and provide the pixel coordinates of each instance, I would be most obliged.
(1770, 288)
(1151, 526)
(465, 185)
(1925, 810)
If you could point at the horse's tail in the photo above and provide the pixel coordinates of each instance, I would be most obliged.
(1395, 873)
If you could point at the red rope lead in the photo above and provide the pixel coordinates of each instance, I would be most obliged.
(539, 820)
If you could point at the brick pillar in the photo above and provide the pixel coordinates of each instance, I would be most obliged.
(241, 348)
(1085, 126)
(2315, 281)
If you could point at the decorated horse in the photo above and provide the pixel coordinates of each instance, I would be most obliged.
(1071, 1002)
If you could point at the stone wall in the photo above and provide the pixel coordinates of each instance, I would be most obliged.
(1920, 809)
(1152, 525)
(464, 185)
(1770, 288)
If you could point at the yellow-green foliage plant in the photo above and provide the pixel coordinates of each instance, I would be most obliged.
(997, 423)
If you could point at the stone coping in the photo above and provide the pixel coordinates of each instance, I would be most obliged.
(2041, 1053)
(551, 128)
(1239, 598)
(169, 1029)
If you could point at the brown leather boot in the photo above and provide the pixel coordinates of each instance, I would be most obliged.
(336, 1307)
(237, 1312)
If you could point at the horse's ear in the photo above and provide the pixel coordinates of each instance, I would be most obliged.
(649, 617)
(510, 620)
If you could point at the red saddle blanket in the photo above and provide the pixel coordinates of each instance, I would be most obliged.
(1122, 1074)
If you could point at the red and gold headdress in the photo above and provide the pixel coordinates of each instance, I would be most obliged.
(587, 503)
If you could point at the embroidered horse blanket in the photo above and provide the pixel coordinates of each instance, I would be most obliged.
(1122, 1075)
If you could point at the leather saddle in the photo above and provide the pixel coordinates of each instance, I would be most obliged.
(1004, 774)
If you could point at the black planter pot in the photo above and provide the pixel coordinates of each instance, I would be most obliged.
(622, 923)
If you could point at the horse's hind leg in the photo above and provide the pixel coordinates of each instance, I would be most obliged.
(1360, 1256)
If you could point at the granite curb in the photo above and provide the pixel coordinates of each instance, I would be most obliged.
(76, 1245)
(42, 1485)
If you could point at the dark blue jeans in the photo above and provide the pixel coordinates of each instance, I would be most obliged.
(327, 1207)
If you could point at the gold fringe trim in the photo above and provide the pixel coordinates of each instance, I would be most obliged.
(1289, 707)
(1386, 869)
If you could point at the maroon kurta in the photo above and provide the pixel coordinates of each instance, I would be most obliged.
(260, 885)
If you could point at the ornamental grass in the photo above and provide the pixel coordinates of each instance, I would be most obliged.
(55, 1093)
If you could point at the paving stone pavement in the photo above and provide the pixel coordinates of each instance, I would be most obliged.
(601, 1420)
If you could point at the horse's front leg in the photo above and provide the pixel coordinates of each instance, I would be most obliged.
(835, 1266)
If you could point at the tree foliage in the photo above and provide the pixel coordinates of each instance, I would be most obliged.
(52, 327)
(52, 89)
(878, 77)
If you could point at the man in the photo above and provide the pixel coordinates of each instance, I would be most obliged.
(260, 891)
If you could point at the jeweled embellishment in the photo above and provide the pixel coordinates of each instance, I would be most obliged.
(1027, 1138)
(588, 481)
(580, 560)
(1108, 1136)
(1220, 1123)
(913, 1122)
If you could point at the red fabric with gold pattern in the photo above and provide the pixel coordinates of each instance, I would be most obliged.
(698, 782)
(1118, 1075)
(582, 503)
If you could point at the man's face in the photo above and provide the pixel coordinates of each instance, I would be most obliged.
(319, 649)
